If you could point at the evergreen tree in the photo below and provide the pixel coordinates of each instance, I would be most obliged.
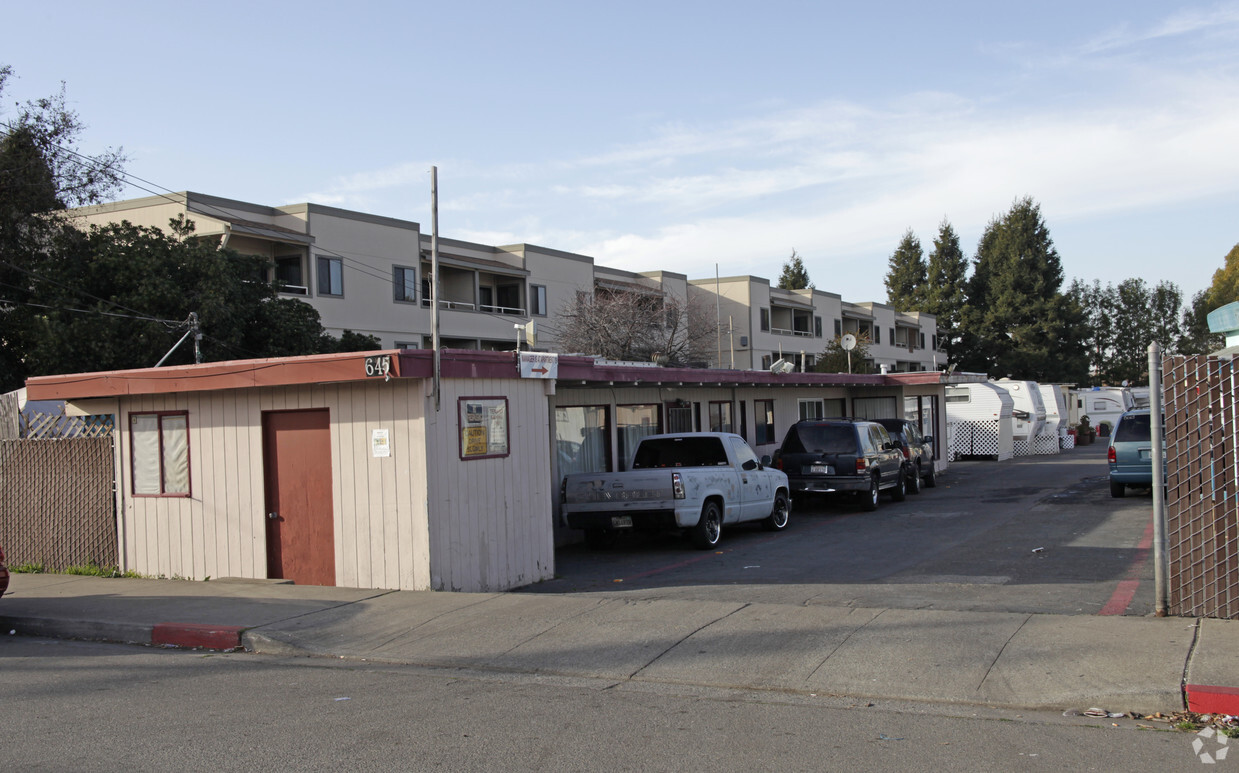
(1017, 322)
(794, 276)
(946, 284)
(906, 274)
(1196, 338)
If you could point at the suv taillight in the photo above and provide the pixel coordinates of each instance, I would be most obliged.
(862, 464)
(1111, 456)
(906, 455)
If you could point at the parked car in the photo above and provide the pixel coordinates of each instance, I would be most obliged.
(695, 481)
(4, 574)
(918, 452)
(857, 456)
(1130, 455)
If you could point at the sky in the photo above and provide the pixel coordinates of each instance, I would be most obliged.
(695, 137)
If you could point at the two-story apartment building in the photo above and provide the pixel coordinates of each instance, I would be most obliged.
(373, 274)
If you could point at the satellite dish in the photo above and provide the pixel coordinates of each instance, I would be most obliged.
(848, 342)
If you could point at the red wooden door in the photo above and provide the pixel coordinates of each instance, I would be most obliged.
(297, 461)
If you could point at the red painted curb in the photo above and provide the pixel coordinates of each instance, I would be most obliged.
(209, 637)
(1209, 699)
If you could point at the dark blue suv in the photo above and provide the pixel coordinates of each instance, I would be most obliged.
(827, 456)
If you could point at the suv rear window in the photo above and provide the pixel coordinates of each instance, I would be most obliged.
(1133, 429)
(821, 439)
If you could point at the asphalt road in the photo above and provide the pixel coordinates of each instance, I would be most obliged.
(1031, 534)
(68, 705)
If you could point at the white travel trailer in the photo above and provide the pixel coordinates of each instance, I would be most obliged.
(1056, 420)
(978, 419)
(1102, 405)
(1027, 414)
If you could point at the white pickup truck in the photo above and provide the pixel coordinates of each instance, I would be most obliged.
(696, 481)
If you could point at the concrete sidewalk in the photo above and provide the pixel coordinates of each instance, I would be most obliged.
(1002, 659)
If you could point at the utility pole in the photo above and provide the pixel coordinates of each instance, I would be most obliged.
(434, 277)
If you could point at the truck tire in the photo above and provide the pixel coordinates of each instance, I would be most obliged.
(777, 520)
(870, 501)
(709, 527)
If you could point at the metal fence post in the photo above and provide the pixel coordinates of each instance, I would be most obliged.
(1156, 432)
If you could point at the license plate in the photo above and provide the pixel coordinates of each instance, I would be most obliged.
(621, 522)
(821, 469)
(1146, 454)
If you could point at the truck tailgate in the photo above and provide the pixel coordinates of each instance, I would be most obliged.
(631, 490)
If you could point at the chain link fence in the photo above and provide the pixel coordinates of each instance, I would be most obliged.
(1201, 397)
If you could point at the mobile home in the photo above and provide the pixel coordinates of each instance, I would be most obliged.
(979, 420)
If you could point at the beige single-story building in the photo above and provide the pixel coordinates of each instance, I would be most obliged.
(400, 469)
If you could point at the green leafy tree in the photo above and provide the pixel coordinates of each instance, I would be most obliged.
(906, 275)
(1017, 322)
(1196, 337)
(794, 276)
(41, 173)
(119, 296)
(834, 358)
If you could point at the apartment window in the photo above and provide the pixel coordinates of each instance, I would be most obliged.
(935, 342)
(159, 452)
(766, 361)
(537, 300)
(817, 327)
(330, 276)
(811, 408)
(720, 417)
(408, 344)
(920, 340)
(763, 418)
(765, 320)
(838, 328)
(877, 334)
(892, 338)
(288, 274)
(404, 284)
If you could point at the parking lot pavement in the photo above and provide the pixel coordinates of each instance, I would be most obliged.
(1028, 535)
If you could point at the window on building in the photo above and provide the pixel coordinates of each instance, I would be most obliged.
(537, 300)
(404, 284)
(330, 276)
(766, 361)
(288, 274)
(633, 422)
(582, 439)
(838, 327)
(408, 345)
(892, 338)
(877, 334)
(720, 417)
(765, 320)
(763, 419)
(920, 340)
(810, 408)
(817, 327)
(874, 408)
(159, 448)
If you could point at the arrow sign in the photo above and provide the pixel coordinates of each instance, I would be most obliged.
(539, 365)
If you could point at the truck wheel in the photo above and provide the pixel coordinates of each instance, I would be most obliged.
(914, 479)
(900, 492)
(870, 502)
(709, 528)
(599, 539)
(930, 479)
(778, 516)
(1118, 490)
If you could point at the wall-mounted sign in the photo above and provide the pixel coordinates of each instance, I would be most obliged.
(539, 365)
(483, 427)
(381, 366)
(380, 443)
